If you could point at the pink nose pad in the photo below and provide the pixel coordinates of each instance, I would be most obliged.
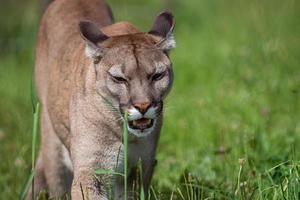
(142, 107)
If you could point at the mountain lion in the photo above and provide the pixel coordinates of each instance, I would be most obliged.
(89, 71)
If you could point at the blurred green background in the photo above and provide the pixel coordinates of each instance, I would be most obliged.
(236, 96)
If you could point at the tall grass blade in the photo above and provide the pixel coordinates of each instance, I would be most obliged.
(187, 187)
(107, 172)
(172, 194)
(180, 193)
(125, 143)
(32, 96)
(36, 116)
(153, 192)
(238, 187)
(26, 186)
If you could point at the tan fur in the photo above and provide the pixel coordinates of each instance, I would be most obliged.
(79, 131)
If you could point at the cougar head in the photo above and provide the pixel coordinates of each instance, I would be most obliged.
(133, 70)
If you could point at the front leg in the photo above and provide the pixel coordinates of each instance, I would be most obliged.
(93, 149)
(148, 169)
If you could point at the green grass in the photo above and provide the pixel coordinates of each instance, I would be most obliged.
(236, 96)
(34, 141)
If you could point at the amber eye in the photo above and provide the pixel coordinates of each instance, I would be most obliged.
(157, 76)
(118, 79)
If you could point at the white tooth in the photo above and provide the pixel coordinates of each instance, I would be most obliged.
(134, 123)
(148, 121)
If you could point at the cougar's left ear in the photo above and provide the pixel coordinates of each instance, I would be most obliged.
(163, 27)
(93, 37)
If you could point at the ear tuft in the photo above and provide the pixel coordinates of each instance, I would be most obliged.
(163, 27)
(92, 35)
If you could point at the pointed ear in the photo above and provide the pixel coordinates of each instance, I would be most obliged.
(163, 27)
(93, 37)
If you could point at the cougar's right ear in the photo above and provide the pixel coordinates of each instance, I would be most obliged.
(93, 37)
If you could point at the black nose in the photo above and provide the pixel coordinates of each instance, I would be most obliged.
(142, 107)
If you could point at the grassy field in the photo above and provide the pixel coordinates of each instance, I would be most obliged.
(232, 121)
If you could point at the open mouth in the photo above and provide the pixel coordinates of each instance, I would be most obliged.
(143, 123)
